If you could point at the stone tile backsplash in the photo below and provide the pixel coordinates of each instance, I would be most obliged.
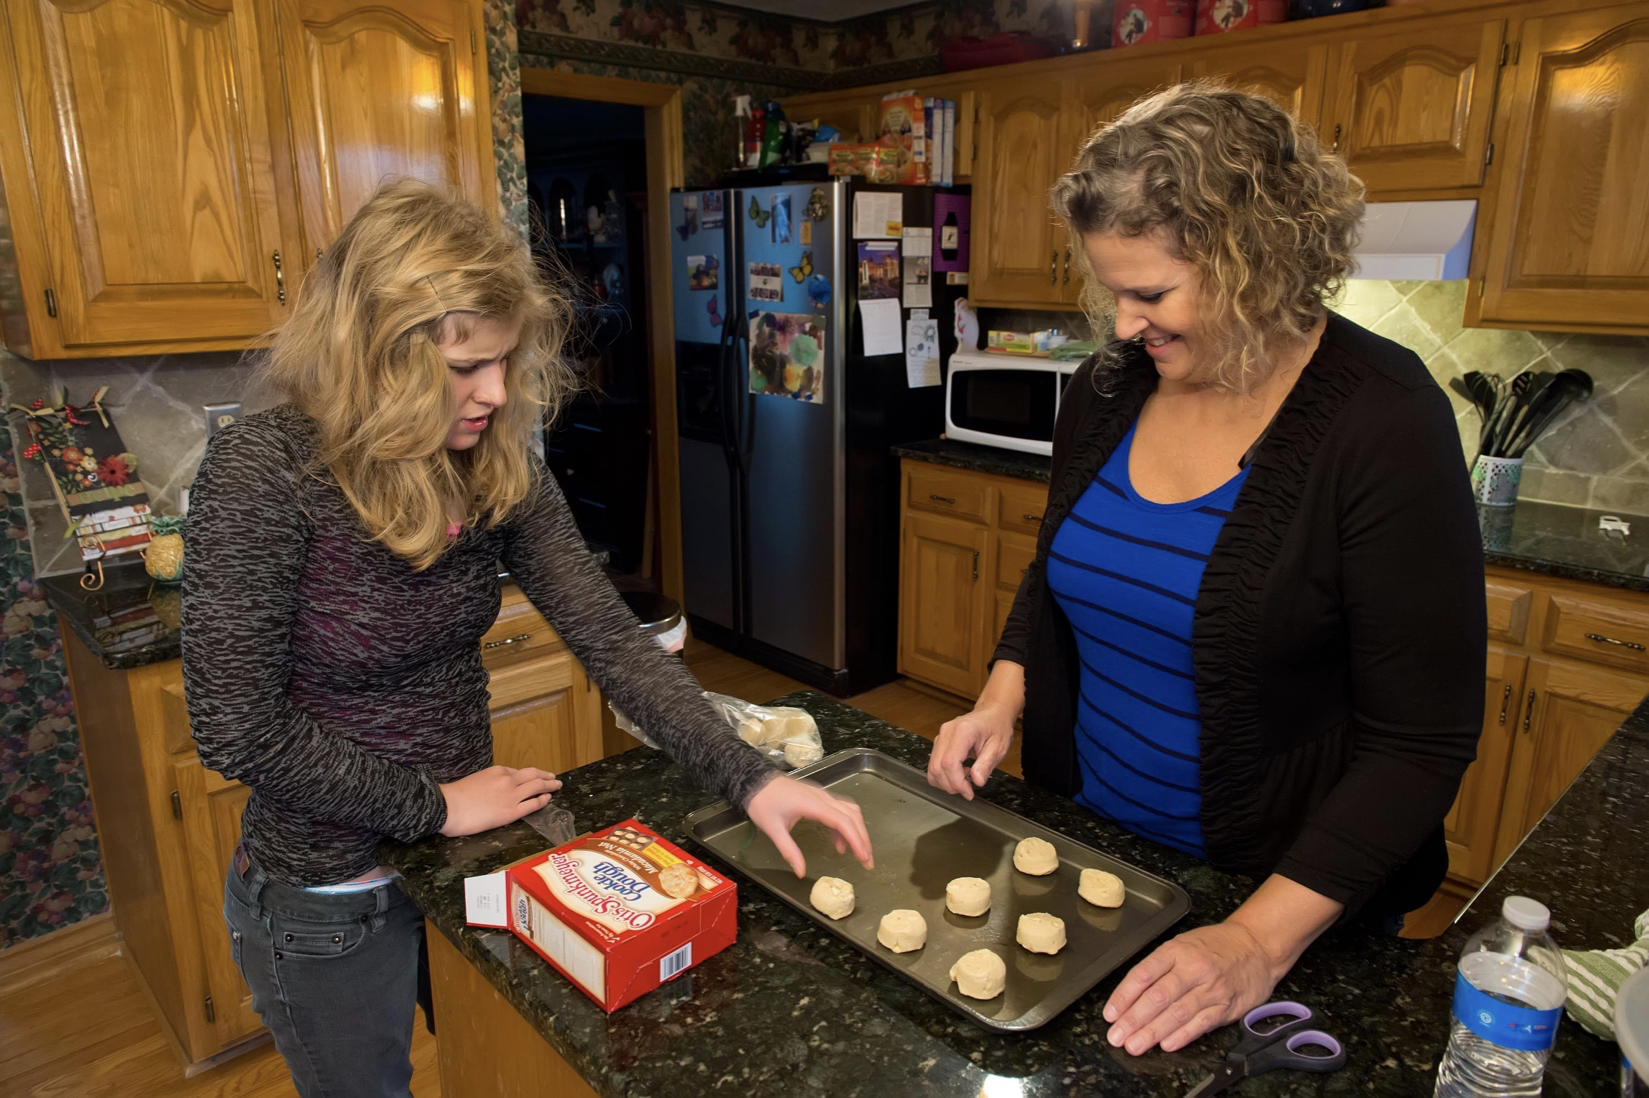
(155, 402)
(1595, 455)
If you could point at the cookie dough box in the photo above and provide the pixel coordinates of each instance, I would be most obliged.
(621, 911)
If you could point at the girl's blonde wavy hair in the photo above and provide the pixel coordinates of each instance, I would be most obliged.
(360, 357)
(1243, 192)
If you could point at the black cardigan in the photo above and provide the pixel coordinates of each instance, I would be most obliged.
(1340, 632)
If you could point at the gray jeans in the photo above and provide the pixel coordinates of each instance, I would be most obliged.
(335, 978)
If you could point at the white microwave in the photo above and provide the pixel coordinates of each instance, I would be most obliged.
(1004, 400)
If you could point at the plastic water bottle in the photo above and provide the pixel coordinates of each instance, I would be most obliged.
(1508, 999)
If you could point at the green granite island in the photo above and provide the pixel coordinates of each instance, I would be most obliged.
(792, 1010)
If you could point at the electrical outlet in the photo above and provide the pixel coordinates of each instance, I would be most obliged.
(219, 416)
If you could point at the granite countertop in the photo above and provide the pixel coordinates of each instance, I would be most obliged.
(980, 459)
(791, 1009)
(131, 621)
(1548, 538)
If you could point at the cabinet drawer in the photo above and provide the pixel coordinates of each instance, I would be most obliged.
(1599, 630)
(1508, 611)
(521, 679)
(1014, 553)
(1021, 508)
(519, 632)
(947, 493)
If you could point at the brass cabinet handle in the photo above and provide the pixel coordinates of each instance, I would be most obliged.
(1067, 277)
(1336, 147)
(280, 279)
(942, 499)
(1031, 518)
(1053, 267)
(317, 255)
(1528, 714)
(517, 639)
(1601, 639)
(976, 564)
(1505, 700)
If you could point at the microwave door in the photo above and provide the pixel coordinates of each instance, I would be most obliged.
(1009, 408)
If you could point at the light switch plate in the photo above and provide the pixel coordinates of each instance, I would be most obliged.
(219, 416)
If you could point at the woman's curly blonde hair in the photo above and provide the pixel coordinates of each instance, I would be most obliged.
(361, 357)
(1243, 192)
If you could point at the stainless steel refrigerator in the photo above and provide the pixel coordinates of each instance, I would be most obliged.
(789, 491)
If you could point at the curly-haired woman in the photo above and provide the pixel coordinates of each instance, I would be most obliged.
(344, 551)
(1254, 627)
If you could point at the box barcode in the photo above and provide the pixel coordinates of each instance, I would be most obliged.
(672, 964)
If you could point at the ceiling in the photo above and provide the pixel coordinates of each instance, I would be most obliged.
(833, 12)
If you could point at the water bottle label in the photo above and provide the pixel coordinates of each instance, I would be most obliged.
(1505, 1024)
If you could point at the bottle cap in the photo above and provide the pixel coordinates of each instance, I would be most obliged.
(1526, 914)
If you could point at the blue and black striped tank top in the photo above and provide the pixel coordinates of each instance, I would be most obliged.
(1126, 572)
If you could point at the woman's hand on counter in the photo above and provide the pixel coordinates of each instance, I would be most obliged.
(494, 797)
(777, 806)
(984, 735)
(1213, 975)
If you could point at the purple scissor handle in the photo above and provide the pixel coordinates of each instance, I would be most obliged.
(1267, 1048)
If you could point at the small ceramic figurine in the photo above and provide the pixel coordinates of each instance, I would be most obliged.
(163, 557)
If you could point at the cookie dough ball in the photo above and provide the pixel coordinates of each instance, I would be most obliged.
(1036, 857)
(968, 896)
(903, 930)
(1040, 932)
(801, 754)
(1102, 889)
(832, 896)
(980, 974)
(750, 731)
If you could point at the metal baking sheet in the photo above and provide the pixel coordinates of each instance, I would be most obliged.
(923, 838)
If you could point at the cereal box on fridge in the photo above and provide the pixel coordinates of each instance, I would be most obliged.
(621, 911)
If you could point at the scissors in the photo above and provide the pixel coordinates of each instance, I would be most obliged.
(1277, 1046)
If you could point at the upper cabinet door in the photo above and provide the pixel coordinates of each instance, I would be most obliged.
(138, 177)
(1016, 250)
(1409, 109)
(379, 92)
(1569, 247)
(1290, 76)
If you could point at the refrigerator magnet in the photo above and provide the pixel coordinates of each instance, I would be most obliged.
(787, 356)
(766, 282)
(818, 291)
(781, 219)
(878, 269)
(703, 272)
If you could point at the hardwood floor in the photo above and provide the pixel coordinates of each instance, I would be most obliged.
(75, 1023)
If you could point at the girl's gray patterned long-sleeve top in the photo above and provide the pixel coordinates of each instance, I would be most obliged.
(344, 687)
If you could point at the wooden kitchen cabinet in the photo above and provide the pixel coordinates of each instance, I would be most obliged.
(1472, 825)
(168, 826)
(141, 155)
(1292, 78)
(1566, 666)
(1570, 710)
(1409, 108)
(1562, 240)
(966, 539)
(170, 167)
(1022, 146)
(379, 91)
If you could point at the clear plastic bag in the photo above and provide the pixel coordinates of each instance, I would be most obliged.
(787, 735)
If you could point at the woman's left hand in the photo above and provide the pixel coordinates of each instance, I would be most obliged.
(1199, 981)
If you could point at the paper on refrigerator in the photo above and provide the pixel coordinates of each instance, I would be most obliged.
(880, 317)
(921, 353)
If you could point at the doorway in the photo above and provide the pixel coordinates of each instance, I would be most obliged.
(602, 155)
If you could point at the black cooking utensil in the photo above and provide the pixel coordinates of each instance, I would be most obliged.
(1460, 387)
(1505, 407)
(1531, 397)
(1566, 387)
